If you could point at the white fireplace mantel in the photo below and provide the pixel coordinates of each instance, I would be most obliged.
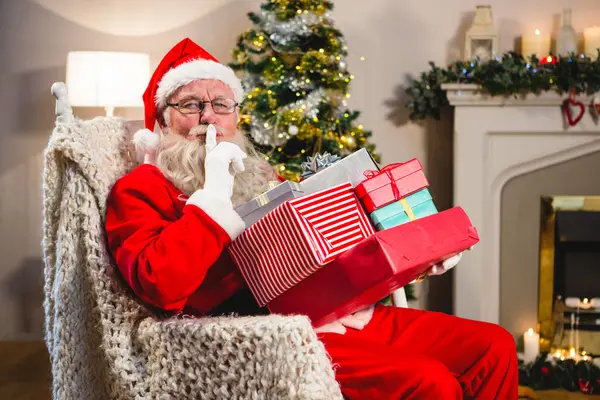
(497, 139)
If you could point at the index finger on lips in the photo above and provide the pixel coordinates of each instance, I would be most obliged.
(211, 138)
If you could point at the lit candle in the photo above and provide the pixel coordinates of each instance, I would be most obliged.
(586, 303)
(591, 39)
(536, 43)
(532, 345)
(558, 354)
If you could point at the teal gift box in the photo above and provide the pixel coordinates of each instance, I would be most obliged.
(414, 206)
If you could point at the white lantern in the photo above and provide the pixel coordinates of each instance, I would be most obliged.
(566, 39)
(481, 40)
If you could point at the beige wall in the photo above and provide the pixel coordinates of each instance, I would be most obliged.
(396, 37)
(520, 224)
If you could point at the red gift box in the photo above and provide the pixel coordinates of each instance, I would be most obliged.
(392, 183)
(298, 238)
(377, 267)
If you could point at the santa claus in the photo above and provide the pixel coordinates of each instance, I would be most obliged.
(170, 220)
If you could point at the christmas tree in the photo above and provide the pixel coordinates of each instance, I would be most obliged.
(292, 63)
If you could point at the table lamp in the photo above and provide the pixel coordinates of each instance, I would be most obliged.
(107, 79)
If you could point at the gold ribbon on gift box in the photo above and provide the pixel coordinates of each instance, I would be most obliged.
(408, 209)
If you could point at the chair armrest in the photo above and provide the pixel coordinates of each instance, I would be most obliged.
(270, 357)
(399, 298)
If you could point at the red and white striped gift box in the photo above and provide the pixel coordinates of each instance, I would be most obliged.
(297, 239)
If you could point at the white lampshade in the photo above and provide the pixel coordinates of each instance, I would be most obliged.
(107, 79)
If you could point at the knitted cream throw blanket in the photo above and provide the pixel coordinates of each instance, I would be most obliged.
(105, 345)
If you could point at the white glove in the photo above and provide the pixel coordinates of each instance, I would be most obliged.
(445, 265)
(218, 178)
(357, 321)
(215, 197)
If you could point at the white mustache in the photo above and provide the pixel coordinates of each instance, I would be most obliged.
(200, 130)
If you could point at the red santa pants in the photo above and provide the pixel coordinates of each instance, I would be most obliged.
(412, 354)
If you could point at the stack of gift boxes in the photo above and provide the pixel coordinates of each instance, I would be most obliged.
(345, 237)
(396, 195)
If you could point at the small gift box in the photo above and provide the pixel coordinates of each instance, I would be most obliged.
(409, 208)
(260, 206)
(334, 171)
(391, 184)
(297, 239)
(377, 266)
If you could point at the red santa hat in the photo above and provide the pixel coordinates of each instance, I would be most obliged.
(184, 63)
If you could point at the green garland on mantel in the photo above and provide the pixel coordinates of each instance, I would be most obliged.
(509, 74)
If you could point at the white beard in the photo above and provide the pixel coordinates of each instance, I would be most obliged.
(181, 160)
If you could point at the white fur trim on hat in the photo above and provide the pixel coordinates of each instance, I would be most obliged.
(192, 71)
(145, 142)
(220, 211)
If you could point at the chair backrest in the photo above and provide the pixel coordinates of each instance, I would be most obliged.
(85, 302)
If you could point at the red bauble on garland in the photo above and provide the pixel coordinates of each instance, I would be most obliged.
(548, 60)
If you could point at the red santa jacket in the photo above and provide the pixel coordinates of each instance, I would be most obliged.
(171, 254)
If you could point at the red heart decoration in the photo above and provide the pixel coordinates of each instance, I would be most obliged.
(568, 108)
(596, 104)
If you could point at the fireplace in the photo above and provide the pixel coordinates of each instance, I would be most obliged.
(508, 152)
(569, 274)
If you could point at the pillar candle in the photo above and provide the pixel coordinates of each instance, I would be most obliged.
(577, 333)
(571, 332)
(591, 41)
(535, 43)
(532, 345)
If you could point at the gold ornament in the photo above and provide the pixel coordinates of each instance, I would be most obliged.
(290, 59)
(245, 119)
(281, 3)
(273, 70)
(272, 101)
(334, 43)
(334, 96)
(291, 117)
(289, 175)
(313, 60)
(307, 130)
(320, 10)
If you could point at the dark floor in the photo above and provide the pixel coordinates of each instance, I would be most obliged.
(25, 374)
(24, 371)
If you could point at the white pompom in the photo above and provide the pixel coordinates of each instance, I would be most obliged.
(293, 130)
(145, 142)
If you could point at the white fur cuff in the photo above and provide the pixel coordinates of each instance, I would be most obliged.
(220, 211)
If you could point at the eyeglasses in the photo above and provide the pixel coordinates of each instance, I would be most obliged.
(193, 106)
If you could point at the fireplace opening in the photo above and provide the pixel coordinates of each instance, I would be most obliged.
(569, 279)
(577, 254)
